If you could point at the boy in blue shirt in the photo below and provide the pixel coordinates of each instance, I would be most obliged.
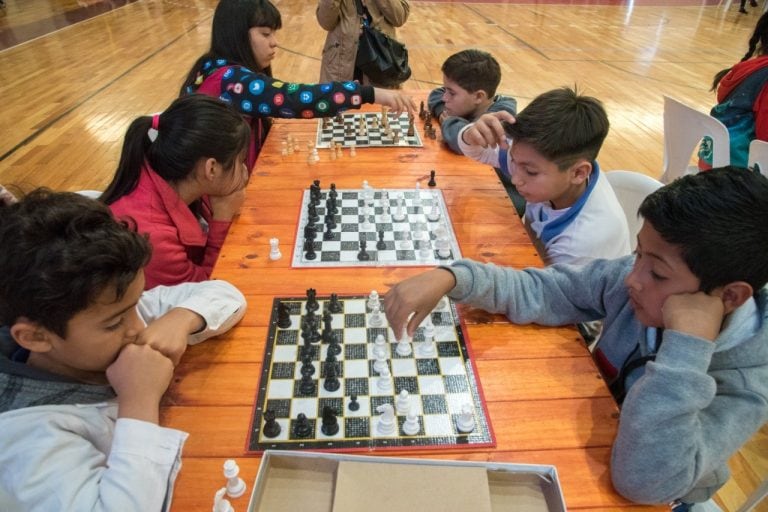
(86, 355)
(684, 346)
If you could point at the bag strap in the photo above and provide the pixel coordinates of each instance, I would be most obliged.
(361, 13)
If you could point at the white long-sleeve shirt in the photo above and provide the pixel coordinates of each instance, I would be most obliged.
(81, 456)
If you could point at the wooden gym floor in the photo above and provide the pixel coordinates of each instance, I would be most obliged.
(73, 74)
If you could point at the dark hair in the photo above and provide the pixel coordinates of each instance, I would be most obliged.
(473, 70)
(60, 251)
(230, 37)
(562, 125)
(193, 127)
(758, 45)
(718, 219)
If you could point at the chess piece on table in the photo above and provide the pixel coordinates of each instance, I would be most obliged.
(403, 402)
(432, 182)
(302, 428)
(352, 151)
(386, 424)
(411, 425)
(466, 420)
(283, 316)
(235, 484)
(220, 503)
(271, 426)
(274, 249)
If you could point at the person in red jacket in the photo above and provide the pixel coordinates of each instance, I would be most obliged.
(742, 100)
(237, 69)
(181, 179)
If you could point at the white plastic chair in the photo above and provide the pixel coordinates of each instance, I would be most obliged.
(631, 188)
(93, 194)
(758, 153)
(684, 127)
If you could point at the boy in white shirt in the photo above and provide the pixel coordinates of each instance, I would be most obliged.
(572, 213)
(86, 355)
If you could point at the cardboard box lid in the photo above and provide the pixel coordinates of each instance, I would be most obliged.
(384, 488)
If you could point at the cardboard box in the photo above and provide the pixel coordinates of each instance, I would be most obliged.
(294, 481)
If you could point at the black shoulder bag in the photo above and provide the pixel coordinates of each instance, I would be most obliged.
(382, 59)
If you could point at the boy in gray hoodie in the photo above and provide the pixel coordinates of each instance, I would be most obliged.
(684, 347)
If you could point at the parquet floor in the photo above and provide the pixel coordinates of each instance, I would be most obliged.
(74, 74)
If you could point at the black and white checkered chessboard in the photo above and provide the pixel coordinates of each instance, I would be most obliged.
(403, 239)
(348, 131)
(439, 384)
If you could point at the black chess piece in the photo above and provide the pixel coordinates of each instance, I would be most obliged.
(328, 234)
(432, 182)
(307, 385)
(363, 254)
(302, 428)
(332, 193)
(271, 427)
(330, 221)
(312, 215)
(309, 250)
(306, 361)
(331, 376)
(381, 244)
(334, 348)
(310, 231)
(421, 110)
(327, 321)
(335, 305)
(354, 405)
(330, 425)
(283, 316)
(312, 304)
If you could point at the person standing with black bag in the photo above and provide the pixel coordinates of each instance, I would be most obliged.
(340, 18)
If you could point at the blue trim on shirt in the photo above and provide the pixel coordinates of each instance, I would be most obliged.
(503, 162)
(559, 225)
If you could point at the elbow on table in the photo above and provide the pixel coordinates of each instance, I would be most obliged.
(648, 487)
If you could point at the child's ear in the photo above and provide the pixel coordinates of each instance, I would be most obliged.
(480, 96)
(581, 171)
(211, 168)
(31, 336)
(735, 294)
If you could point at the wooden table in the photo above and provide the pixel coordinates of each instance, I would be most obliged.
(546, 401)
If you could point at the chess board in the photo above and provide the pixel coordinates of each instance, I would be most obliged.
(438, 385)
(342, 249)
(347, 131)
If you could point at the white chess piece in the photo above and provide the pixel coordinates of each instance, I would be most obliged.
(466, 420)
(373, 300)
(417, 234)
(411, 425)
(443, 303)
(403, 402)
(380, 364)
(434, 213)
(400, 213)
(427, 347)
(274, 250)
(429, 327)
(235, 485)
(375, 320)
(380, 346)
(403, 347)
(386, 216)
(443, 246)
(406, 243)
(386, 424)
(221, 504)
(384, 382)
(425, 249)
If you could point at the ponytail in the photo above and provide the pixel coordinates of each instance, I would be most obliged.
(132, 158)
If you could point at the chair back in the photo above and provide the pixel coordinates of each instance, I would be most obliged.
(631, 188)
(758, 154)
(684, 127)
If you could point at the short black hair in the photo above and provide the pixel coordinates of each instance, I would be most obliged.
(473, 70)
(562, 125)
(719, 220)
(60, 251)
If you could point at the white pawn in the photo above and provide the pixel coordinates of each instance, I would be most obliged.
(274, 250)
(427, 347)
(380, 346)
(220, 503)
(403, 402)
(411, 425)
(406, 243)
(443, 246)
(429, 327)
(375, 320)
(434, 213)
(384, 382)
(403, 347)
(399, 215)
(373, 299)
(386, 216)
(366, 224)
(380, 364)
(425, 249)
(235, 485)
(386, 424)
(418, 234)
(466, 420)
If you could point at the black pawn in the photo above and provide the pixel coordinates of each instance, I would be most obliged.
(307, 385)
(312, 215)
(302, 428)
(312, 304)
(271, 427)
(307, 368)
(331, 380)
(354, 405)
(363, 254)
(330, 426)
(432, 182)
(327, 323)
(309, 250)
(283, 316)
(381, 244)
(310, 231)
(335, 305)
(332, 193)
(333, 345)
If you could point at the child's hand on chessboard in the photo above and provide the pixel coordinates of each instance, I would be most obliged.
(417, 296)
(395, 100)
